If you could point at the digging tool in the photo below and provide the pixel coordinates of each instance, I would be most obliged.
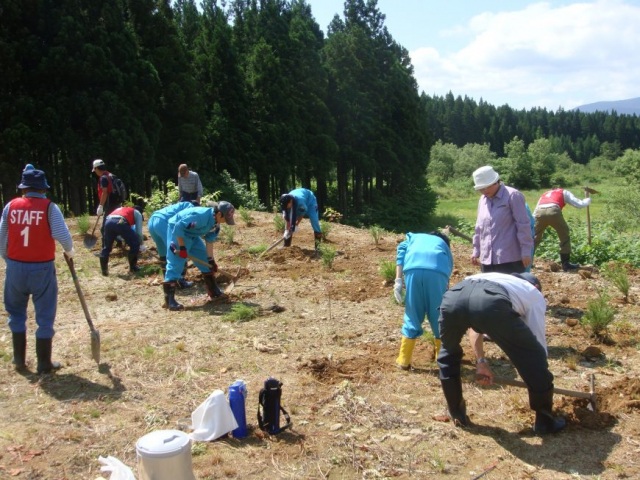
(273, 245)
(590, 395)
(234, 278)
(90, 239)
(588, 191)
(454, 231)
(95, 334)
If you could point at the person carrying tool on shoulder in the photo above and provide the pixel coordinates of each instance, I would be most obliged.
(548, 213)
(296, 205)
(184, 239)
(29, 228)
(158, 225)
(426, 261)
(126, 223)
(509, 308)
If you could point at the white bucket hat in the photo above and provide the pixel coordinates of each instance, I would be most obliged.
(484, 177)
(213, 418)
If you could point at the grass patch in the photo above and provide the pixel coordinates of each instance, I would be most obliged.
(257, 249)
(84, 223)
(387, 270)
(240, 312)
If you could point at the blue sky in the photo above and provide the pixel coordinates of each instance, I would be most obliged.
(554, 54)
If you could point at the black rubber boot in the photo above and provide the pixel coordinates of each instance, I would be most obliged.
(452, 388)
(287, 241)
(133, 262)
(169, 296)
(566, 264)
(104, 266)
(182, 283)
(542, 404)
(43, 352)
(212, 287)
(19, 350)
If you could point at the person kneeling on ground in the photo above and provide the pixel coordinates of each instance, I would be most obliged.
(509, 308)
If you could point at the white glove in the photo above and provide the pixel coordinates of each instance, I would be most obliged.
(287, 234)
(70, 253)
(100, 210)
(587, 201)
(397, 290)
(143, 248)
(119, 471)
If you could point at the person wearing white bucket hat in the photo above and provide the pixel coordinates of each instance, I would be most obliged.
(503, 241)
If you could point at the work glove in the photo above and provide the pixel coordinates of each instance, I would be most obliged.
(213, 265)
(118, 470)
(100, 210)
(587, 201)
(70, 253)
(287, 234)
(397, 290)
(183, 252)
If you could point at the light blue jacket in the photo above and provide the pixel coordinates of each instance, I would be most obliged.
(169, 211)
(425, 251)
(304, 205)
(194, 222)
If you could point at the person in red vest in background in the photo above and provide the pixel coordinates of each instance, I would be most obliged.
(29, 227)
(126, 223)
(548, 213)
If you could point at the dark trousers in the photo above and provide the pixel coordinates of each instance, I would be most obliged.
(485, 306)
(188, 196)
(509, 267)
(118, 226)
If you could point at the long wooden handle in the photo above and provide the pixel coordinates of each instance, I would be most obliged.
(76, 282)
(561, 391)
(94, 226)
(586, 194)
(272, 246)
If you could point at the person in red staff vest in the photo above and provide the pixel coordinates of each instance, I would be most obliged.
(29, 227)
(124, 222)
(548, 213)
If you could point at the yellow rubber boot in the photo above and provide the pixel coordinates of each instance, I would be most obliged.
(436, 346)
(406, 351)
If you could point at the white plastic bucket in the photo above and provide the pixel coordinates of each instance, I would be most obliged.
(164, 455)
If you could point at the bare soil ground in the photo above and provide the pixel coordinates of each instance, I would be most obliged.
(333, 345)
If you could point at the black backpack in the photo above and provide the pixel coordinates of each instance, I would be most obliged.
(269, 407)
(118, 189)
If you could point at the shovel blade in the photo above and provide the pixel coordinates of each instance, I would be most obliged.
(95, 346)
(90, 240)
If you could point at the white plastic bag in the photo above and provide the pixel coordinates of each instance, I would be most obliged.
(213, 418)
(119, 471)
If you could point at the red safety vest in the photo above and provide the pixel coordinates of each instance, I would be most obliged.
(29, 232)
(127, 213)
(109, 186)
(553, 196)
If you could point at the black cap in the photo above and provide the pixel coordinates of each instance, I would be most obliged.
(284, 201)
(529, 277)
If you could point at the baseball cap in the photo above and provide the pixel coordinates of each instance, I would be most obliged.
(97, 163)
(529, 277)
(227, 210)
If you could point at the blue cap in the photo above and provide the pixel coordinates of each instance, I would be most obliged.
(28, 166)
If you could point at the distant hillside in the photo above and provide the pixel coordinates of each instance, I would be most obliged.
(627, 107)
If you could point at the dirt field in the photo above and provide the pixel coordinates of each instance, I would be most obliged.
(332, 343)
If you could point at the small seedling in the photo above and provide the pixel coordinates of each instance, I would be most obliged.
(325, 228)
(226, 234)
(376, 233)
(245, 216)
(598, 315)
(328, 254)
(84, 223)
(387, 270)
(257, 249)
(617, 274)
(278, 223)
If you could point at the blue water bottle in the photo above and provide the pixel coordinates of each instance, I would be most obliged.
(237, 397)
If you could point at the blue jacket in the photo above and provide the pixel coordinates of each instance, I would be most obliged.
(304, 205)
(424, 251)
(194, 222)
(169, 211)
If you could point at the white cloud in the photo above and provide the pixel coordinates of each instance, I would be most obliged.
(540, 56)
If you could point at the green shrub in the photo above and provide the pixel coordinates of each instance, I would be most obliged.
(84, 223)
(257, 249)
(617, 274)
(158, 198)
(241, 312)
(598, 315)
(328, 254)
(387, 270)
(238, 194)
